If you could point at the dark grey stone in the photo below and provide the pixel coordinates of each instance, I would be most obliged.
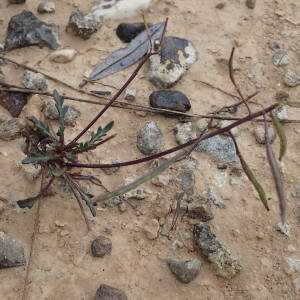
(25, 29)
(17, 1)
(83, 24)
(187, 181)
(173, 100)
(128, 31)
(185, 270)
(13, 102)
(11, 252)
(11, 129)
(200, 208)
(250, 4)
(101, 246)
(106, 292)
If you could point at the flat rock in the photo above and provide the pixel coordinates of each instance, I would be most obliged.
(101, 246)
(149, 138)
(128, 31)
(82, 24)
(184, 132)
(11, 252)
(25, 29)
(185, 270)
(223, 262)
(176, 56)
(62, 55)
(11, 129)
(220, 148)
(46, 7)
(291, 79)
(172, 100)
(34, 81)
(106, 292)
(200, 208)
(13, 102)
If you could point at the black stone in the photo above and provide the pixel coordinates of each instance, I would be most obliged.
(25, 29)
(13, 102)
(172, 100)
(17, 1)
(101, 246)
(106, 292)
(128, 31)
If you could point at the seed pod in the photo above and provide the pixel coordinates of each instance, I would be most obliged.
(281, 133)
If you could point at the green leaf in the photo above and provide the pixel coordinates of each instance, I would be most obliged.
(282, 136)
(62, 110)
(293, 104)
(43, 128)
(71, 156)
(55, 171)
(36, 158)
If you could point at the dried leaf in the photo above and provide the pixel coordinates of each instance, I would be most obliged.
(125, 57)
(281, 133)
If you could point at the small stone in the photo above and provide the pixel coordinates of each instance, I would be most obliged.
(13, 102)
(46, 7)
(220, 5)
(122, 207)
(291, 79)
(139, 193)
(235, 232)
(161, 180)
(101, 246)
(82, 24)
(250, 4)
(186, 181)
(296, 191)
(11, 252)
(201, 126)
(151, 229)
(185, 270)
(282, 113)
(281, 96)
(259, 133)
(260, 235)
(222, 149)
(32, 172)
(162, 209)
(106, 292)
(290, 248)
(274, 46)
(51, 113)
(62, 55)
(175, 57)
(130, 94)
(184, 132)
(294, 264)
(58, 223)
(200, 209)
(280, 58)
(64, 233)
(283, 228)
(217, 201)
(172, 100)
(296, 283)
(11, 129)
(128, 31)
(34, 81)
(17, 1)
(150, 139)
(25, 29)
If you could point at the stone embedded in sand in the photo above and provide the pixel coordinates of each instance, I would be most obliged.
(25, 29)
(13, 102)
(46, 7)
(106, 292)
(11, 252)
(291, 79)
(184, 132)
(176, 56)
(62, 55)
(34, 81)
(11, 129)
(101, 246)
(83, 24)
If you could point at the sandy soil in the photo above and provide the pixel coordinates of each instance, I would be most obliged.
(62, 266)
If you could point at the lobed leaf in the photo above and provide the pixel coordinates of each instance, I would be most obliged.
(43, 128)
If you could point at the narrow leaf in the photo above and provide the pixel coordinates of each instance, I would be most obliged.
(125, 57)
(36, 158)
(282, 137)
(292, 104)
(56, 171)
(43, 128)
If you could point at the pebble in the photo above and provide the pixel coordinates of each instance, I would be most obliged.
(161, 180)
(220, 5)
(101, 246)
(222, 149)
(51, 113)
(151, 229)
(217, 201)
(260, 235)
(106, 292)
(284, 228)
(82, 24)
(291, 79)
(25, 29)
(11, 129)
(201, 126)
(149, 138)
(13, 102)
(235, 232)
(130, 94)
(34, 81)
(290, 248)
(282, 96)
(64, 233)
(176, 56)
(280, 58)
(46, 7)
(172, 100)
(250, 4)
(296, 283)
(32, 172)
(62, 55)
(185, 270)
(17, 1)
(186, 180)
(259, 133)
(282, 113)
(11, 252)
(294, 264)
(139, 193)
(122, 207)
(296, 191)
(184, 132)
(128, 31)
(224, 264)
(200, 209)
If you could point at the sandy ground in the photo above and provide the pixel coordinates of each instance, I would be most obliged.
(62, 266)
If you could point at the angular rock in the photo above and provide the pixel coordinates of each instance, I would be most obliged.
(185, 270)
(176, 56)
(11, 252)
(172, 100)
(83, 24)
(130, 94)
(46, 7)
(11, 129)
(51, 113)
(34, 81)
(224, 264)
(151, 229)
(186, 181)
(200, 208)
(17, 1)
(128, 31)
(259, 133)
(150, 139)
(291, 79)
(13, 102)
(101, 246)
(280, 58)
(220, 148)
(25, 29)
(106, 292)
(250, 4)
(62, 55)
(184, 132)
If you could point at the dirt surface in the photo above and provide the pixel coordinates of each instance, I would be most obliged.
(62, 266)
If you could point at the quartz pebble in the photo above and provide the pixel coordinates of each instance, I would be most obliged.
(46, 7)
(62, 55)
